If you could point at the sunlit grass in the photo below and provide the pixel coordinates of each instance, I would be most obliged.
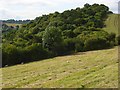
(112, 23)
(92, 69)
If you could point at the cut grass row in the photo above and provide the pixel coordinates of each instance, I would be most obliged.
(112, 23)
(92, 69)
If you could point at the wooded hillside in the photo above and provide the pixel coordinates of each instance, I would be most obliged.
(74, 30)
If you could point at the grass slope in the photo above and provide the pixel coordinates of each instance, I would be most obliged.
(112, 23)
(13, 24)
(92, 69)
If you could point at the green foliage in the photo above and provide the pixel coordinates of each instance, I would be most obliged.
(95, 43)
(34, 52)
(79, 30)
(79, 46)
(11, 54)
(15, 21)
(118, 40)
(69, 44)
(55, 34)
(68, 34)
(16, 55)
(52, 38)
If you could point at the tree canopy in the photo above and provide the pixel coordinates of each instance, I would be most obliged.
(46, 36)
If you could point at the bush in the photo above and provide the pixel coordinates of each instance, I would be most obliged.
(34, 52)
(69, 44)
(79, 45)
(11, 55)
(95, 43)
(118, 40)
(16, 55)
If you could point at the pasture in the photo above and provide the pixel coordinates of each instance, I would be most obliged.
(91, 69)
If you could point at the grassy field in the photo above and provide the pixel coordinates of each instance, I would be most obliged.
(13, 24)
(112, 23)
(92, 69)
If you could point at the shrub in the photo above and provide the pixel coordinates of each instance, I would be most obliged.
(11, 55)
(95, 43)
(118, 40)
(79, 45)
(34, 52)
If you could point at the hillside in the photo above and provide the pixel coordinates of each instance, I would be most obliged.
(92, 69)
(55, 34)
(13, 24)
(112, 23)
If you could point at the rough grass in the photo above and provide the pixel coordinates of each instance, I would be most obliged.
(13, 24)
(92, 69)
(112, 23)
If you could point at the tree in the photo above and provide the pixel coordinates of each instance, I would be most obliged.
(87, 5)
(57, 33)
(52, 38)
(11, 55)
(68, 33)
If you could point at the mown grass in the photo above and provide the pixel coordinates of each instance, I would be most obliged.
(92, 69)
(112, 23)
